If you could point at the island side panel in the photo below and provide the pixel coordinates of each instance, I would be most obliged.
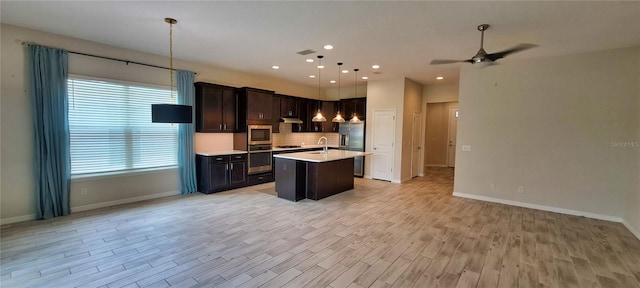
(344, 179)
(288, 180)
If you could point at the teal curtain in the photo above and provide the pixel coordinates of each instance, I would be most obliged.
(48, 71)
(186, 132)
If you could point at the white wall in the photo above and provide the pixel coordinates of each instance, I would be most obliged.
(16, 182)
(385, 94)
(412, 103)
(548, 125)
(446, 92)
(333, 94)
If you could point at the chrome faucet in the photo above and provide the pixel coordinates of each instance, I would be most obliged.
(326, 149)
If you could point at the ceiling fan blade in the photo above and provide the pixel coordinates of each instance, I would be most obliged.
(517, 48)
(444, 61)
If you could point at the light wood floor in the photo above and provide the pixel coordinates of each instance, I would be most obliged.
(378, 235)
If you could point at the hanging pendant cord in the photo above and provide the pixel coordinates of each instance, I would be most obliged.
(171, 55)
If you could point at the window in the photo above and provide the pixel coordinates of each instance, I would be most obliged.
(110, 127)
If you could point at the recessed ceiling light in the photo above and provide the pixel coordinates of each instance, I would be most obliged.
(439, 78)
(365, 77)
(328, 46)
(312, 76)
(275, 67)
(320, 66)
(345, 71)
(309, 60)
(375, 66)
(332, 81)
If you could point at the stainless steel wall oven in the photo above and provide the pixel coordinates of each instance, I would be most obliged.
(259, 158)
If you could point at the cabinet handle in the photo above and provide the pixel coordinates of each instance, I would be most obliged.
(231, 166)
(225, 126)
(220, 127)
(218, 159)
(226, 167)
(260, 178)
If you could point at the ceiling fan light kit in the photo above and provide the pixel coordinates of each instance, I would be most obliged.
(482, 58)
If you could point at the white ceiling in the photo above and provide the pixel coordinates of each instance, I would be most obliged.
(402, 37)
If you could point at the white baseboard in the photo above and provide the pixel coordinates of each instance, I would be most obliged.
(122, 201)
(631, 229)
(367, 176)
(540, 207)
(92, 206)
(17, 219)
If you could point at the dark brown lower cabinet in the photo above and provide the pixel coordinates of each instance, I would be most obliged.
(238, 171)
(222, 172)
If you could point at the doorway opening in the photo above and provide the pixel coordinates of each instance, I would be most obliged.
(440, 136)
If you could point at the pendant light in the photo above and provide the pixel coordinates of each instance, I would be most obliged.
(355, 118)
(338, 118)
(319, 117)
(171, 113)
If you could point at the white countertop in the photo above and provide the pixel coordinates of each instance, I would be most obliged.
(218, 153)
(317, 157)
(302, 147)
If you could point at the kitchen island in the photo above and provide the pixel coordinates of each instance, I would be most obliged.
(314, 175)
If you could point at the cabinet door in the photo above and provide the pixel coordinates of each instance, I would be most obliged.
(228, 110)
(275, 109)
(219, 177)
(238, 174)
(329, 109)
(208, 109)
(288, 106)
(348, 107)
(361, 107)
(313, 110)
(259, 106)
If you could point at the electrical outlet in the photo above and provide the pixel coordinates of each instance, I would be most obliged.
(492, 187)
(520, 189)
(83, 191)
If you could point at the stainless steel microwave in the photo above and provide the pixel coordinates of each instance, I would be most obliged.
(259, 134)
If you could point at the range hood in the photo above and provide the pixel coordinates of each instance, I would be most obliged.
(288, 120)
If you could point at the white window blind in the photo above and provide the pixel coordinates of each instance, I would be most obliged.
(110, 127)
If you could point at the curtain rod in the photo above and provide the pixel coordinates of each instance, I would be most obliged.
(103, 57)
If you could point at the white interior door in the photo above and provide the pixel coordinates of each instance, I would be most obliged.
(415, 144)
(453, 128)
(383, 137)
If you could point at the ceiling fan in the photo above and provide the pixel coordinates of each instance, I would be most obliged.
(482, 58)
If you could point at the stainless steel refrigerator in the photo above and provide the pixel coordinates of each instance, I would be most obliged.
(352, 139)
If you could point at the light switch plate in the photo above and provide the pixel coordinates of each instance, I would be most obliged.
(466, 148)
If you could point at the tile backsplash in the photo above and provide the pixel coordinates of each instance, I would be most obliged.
(304, 138)
(217, 142)
(213, 142)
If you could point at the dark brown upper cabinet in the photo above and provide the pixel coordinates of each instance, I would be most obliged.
(289, 106)
(351, 105)
(215, 108)
(329, 110)
(275, 109)
(254, 107)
